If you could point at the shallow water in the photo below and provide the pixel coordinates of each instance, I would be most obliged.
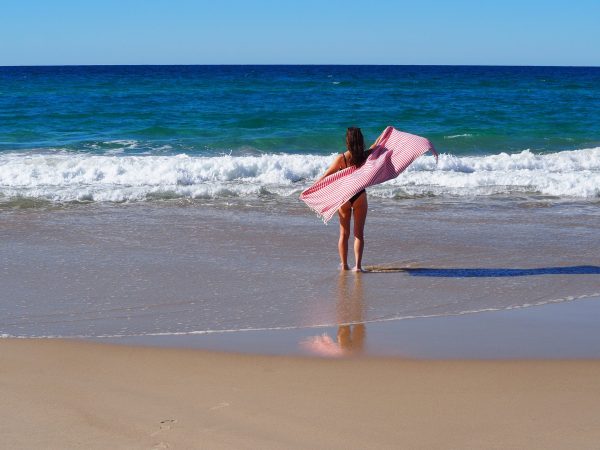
(172, 267)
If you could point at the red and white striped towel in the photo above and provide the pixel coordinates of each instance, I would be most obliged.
(393, 153)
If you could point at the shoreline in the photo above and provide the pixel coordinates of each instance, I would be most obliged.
(81, 394)
(143, 269)
(562, 330)
(68, 394)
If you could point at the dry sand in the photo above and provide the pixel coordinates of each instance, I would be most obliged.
(67, 394)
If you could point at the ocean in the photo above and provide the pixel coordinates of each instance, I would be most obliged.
(156, 201)
(142, 133)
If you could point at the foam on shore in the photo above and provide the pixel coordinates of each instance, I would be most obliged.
(67, 177)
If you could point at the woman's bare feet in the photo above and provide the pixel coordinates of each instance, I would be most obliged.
(344, 267)
(358, 269)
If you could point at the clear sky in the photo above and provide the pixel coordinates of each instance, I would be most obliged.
(504, 32)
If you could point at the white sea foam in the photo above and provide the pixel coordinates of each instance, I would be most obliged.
(114, 178)
(454, 136)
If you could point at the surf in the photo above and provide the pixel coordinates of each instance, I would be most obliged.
(73, 177)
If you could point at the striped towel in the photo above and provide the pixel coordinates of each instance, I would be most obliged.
(393, 152)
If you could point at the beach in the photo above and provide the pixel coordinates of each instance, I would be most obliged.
(163, 269)
(84, 395)
(464, 355)
(162, 285)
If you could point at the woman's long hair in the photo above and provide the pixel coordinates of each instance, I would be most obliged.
(355, 143)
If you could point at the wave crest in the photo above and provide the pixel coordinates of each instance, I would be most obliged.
(117, 178)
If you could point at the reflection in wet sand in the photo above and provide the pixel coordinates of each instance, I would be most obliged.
(188, 270)
(351, 334)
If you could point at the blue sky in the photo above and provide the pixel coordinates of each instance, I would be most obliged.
(504, 32)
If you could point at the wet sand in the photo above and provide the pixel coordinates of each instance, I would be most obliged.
(166, 269)
(564, 330)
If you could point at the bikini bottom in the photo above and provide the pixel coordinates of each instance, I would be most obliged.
(355, 196)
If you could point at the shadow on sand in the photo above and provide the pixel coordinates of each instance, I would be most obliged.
(487, 272)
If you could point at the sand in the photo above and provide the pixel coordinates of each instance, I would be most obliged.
(141, 273)
(70, 394)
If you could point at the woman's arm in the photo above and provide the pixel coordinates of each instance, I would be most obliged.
(334, 167)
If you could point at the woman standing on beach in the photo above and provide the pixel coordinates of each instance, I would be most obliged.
(354, 155)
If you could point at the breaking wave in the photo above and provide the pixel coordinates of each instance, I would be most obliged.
(118, 178)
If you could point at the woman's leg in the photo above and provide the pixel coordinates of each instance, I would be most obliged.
(345, 213)
(360, 208)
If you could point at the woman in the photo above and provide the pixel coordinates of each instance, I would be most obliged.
(354, 155)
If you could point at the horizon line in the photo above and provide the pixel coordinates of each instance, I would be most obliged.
(296, 64)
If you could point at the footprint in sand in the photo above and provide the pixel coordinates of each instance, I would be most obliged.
(165, 425)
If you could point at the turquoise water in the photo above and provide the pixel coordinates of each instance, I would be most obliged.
(296, 109)
(134, 133)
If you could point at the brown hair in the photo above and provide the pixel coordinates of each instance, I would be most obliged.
(355, 143)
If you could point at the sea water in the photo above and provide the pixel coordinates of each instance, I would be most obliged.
(163, 200)
(138, 133)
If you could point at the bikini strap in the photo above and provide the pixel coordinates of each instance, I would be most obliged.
(345, 162)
